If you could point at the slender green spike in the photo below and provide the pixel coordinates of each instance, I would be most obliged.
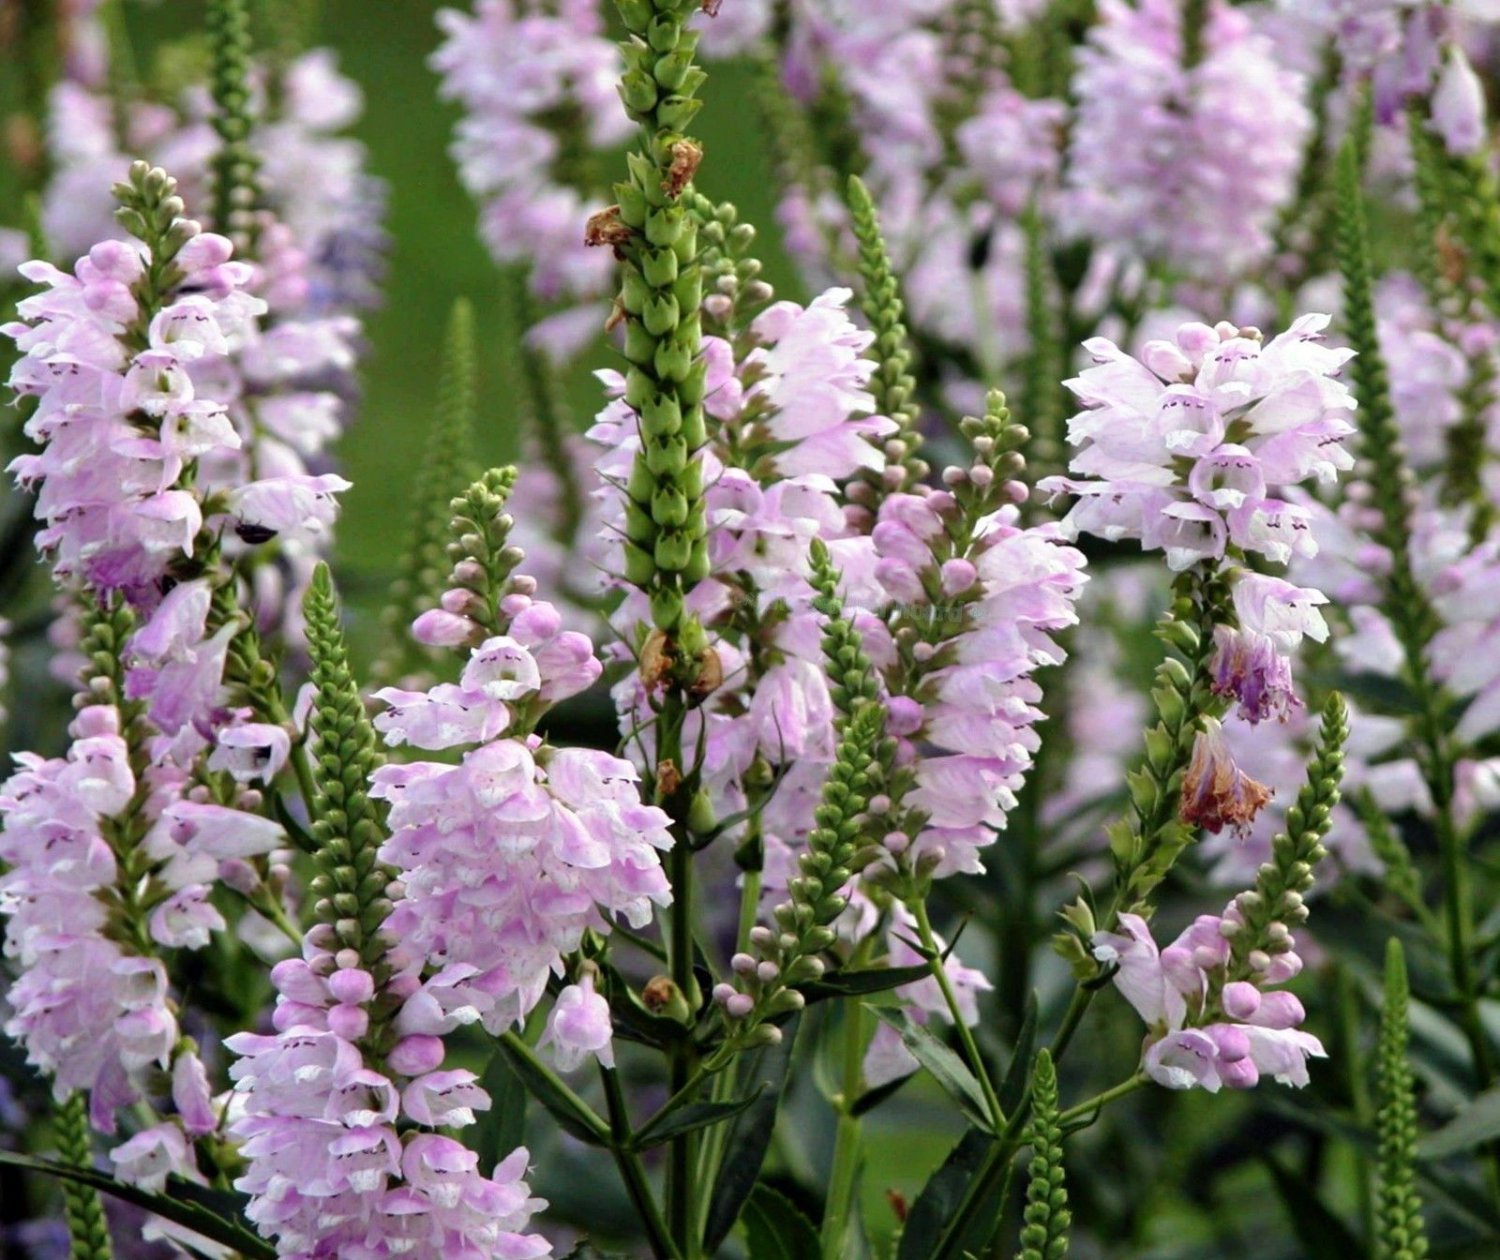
(1150, 839)
(236, 168)
(660, 303)
(1045, 1233)
(731, 272)
(152, 212)
(1275, 907)
(1380, 443)
(803, 923)
(892, 384)
(1405, 602)
(88, 1230)
(447, 467)
(1399, 1231)
(851, 676)
(1042, 400)
(480, 556)
(348, 824)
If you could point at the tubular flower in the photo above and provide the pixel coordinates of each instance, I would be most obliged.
(1192, 1041)
(1190, 447)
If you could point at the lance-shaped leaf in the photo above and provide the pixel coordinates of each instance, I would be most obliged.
(947, 1069)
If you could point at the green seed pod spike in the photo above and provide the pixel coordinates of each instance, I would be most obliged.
(1399, 1231)
(348, 824)
(88, 1230)
(447, 467)
(1045, 1233)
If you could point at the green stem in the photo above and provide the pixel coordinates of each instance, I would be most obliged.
(1072, 1017)
(846, 1140)
(681, 1210)
(1128, 1086)
(965, 1034)
(632, 1172)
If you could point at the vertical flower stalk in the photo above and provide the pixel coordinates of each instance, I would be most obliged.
(655, 236)
(1403, 599)
(661, 291)
(446, 471)
(1400, 1233)
(1045, 1233)
(892, 383)
(88, 1230)
(235, 166)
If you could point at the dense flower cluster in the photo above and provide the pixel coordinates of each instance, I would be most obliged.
(1208, 1030)
(1184, 163)
(1190, 447)
(510, 856)
(344, 1148)
(119, 424)
(83, 835)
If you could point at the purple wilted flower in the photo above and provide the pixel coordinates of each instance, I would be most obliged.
(1216, 792)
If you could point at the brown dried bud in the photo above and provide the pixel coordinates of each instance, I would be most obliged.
(668, 779)
(711, 7)
(616, 316)
(656, 659)
(605, 227)
(686, 155)
(897, 1200)
(662, 997)
(710, 674)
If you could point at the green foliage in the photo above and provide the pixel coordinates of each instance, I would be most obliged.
(1045, 1233)
(892, 384)
(88, 1231)
(235, 166)
(447, 467)
(1400, 1234)
(351, 884)
(1275, 906)
(661, 293)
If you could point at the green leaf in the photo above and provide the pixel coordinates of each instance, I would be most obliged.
(942, 1195)
(872, 1098)
(858, 981)
(947, 1069)
(689, 1119)
(183, 1206)
(1320, 1232)
(1475, 1125)
(569, 1110)
(503, 1127)
(749, 1136)
(776, 1230)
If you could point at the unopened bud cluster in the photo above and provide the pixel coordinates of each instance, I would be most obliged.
(661, 294)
